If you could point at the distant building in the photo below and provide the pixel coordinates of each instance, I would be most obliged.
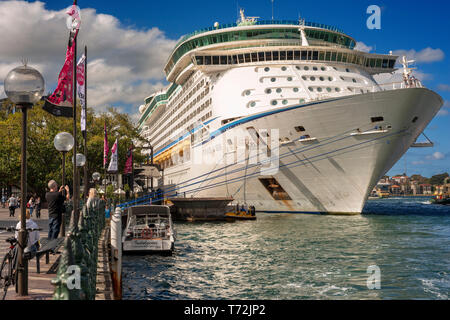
(396, 190)
(426, 189)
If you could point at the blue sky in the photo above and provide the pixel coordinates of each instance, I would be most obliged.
(410, 26)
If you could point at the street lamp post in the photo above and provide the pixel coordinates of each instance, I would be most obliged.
(63, 142)
(80, 162)
(24, 86)
(96, 177)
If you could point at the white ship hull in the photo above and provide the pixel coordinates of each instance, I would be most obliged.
(332, 172)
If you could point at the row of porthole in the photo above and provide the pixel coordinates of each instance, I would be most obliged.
(307, 68)
(280, 90)
(312, 78)
(320, 89)
(275, 79)
(275, 102)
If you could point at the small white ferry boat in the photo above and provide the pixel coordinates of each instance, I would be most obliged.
(149, 229)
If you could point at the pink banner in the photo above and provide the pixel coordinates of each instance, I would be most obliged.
(129, 164)
(60, 103)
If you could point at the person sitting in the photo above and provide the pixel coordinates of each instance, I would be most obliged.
(33, 236)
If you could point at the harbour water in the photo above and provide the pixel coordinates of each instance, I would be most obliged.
(290, 257)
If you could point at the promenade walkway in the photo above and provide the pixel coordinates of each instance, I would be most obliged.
(39, 285)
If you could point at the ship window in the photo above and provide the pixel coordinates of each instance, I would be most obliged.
(207, 60)
(296, 55)
(275, 55)
(354, 80)
(199, 60)
(290, 55)
(337, 89)
(282, 55)
(391, 64)
(319, 89)
(305, 55)
(313, 78)
(295, 89)
(330, 79)
(315, 68)
(273, 79)
(285, 102)
(311, 89)
(289, 79)
(302, 100)
(252, 104)
(377, 119)
(279, 90)
(266, 69)
(268, 91)
(315, 55)
(269, 56)
(283, 68)
(306, 68)
(300, 128)
(223, 60)
(247, 93)
(241, 58)
(328, 56)
(247, 57)
(322, 79)
(274, 102)
(215, 60)
(254, 57)
(261, 56)
(329, 89)
(350, 89)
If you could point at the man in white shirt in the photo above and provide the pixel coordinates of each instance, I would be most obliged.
(12, 203)
(33, 236)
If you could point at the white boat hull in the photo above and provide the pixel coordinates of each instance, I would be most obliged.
(332, 173)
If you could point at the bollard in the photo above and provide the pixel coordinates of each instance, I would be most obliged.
(116, 252)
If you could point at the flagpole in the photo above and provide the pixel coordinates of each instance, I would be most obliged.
(86, 177)
(76, 184)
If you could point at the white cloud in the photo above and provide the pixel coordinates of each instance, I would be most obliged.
(125, 65)
(445, 110)
(436, 156)
(426, 55)
(361, 46)
(444, 87)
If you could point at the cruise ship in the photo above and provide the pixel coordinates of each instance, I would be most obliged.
(285, 116)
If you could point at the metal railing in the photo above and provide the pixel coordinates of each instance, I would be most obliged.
(81, 253)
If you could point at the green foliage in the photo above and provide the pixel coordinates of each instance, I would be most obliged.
(44, 162)
(438, 179)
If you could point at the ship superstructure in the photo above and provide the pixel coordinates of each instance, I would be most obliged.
(297, 93)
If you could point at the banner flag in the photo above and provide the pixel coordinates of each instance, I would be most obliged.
(81, 81)
(105, 148)
(129, 163)
(60, 103)
(113, 165)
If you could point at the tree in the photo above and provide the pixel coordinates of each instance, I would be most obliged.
(438, 179)
(44, 162)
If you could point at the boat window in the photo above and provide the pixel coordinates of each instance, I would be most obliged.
(285, 102)
(268, 91)
(279, 90)
(223, 60)
(266, 69)
(216, 60)
(289, 79)
(295, 89)
(275, 56)
(247, 57)
(273, 79)
(282, 55)
(283, 68)
(377, 119)
(274, 102)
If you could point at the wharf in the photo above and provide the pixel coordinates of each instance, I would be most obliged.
(200, 209)
(39, 285)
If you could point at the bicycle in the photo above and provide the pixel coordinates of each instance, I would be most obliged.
(8, 267)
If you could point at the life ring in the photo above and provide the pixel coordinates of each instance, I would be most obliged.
(147, 234)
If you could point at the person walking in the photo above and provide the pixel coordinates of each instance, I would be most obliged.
(31, 205)
(12, 203)
(38, 207)
(3, 201)
(55, 200)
